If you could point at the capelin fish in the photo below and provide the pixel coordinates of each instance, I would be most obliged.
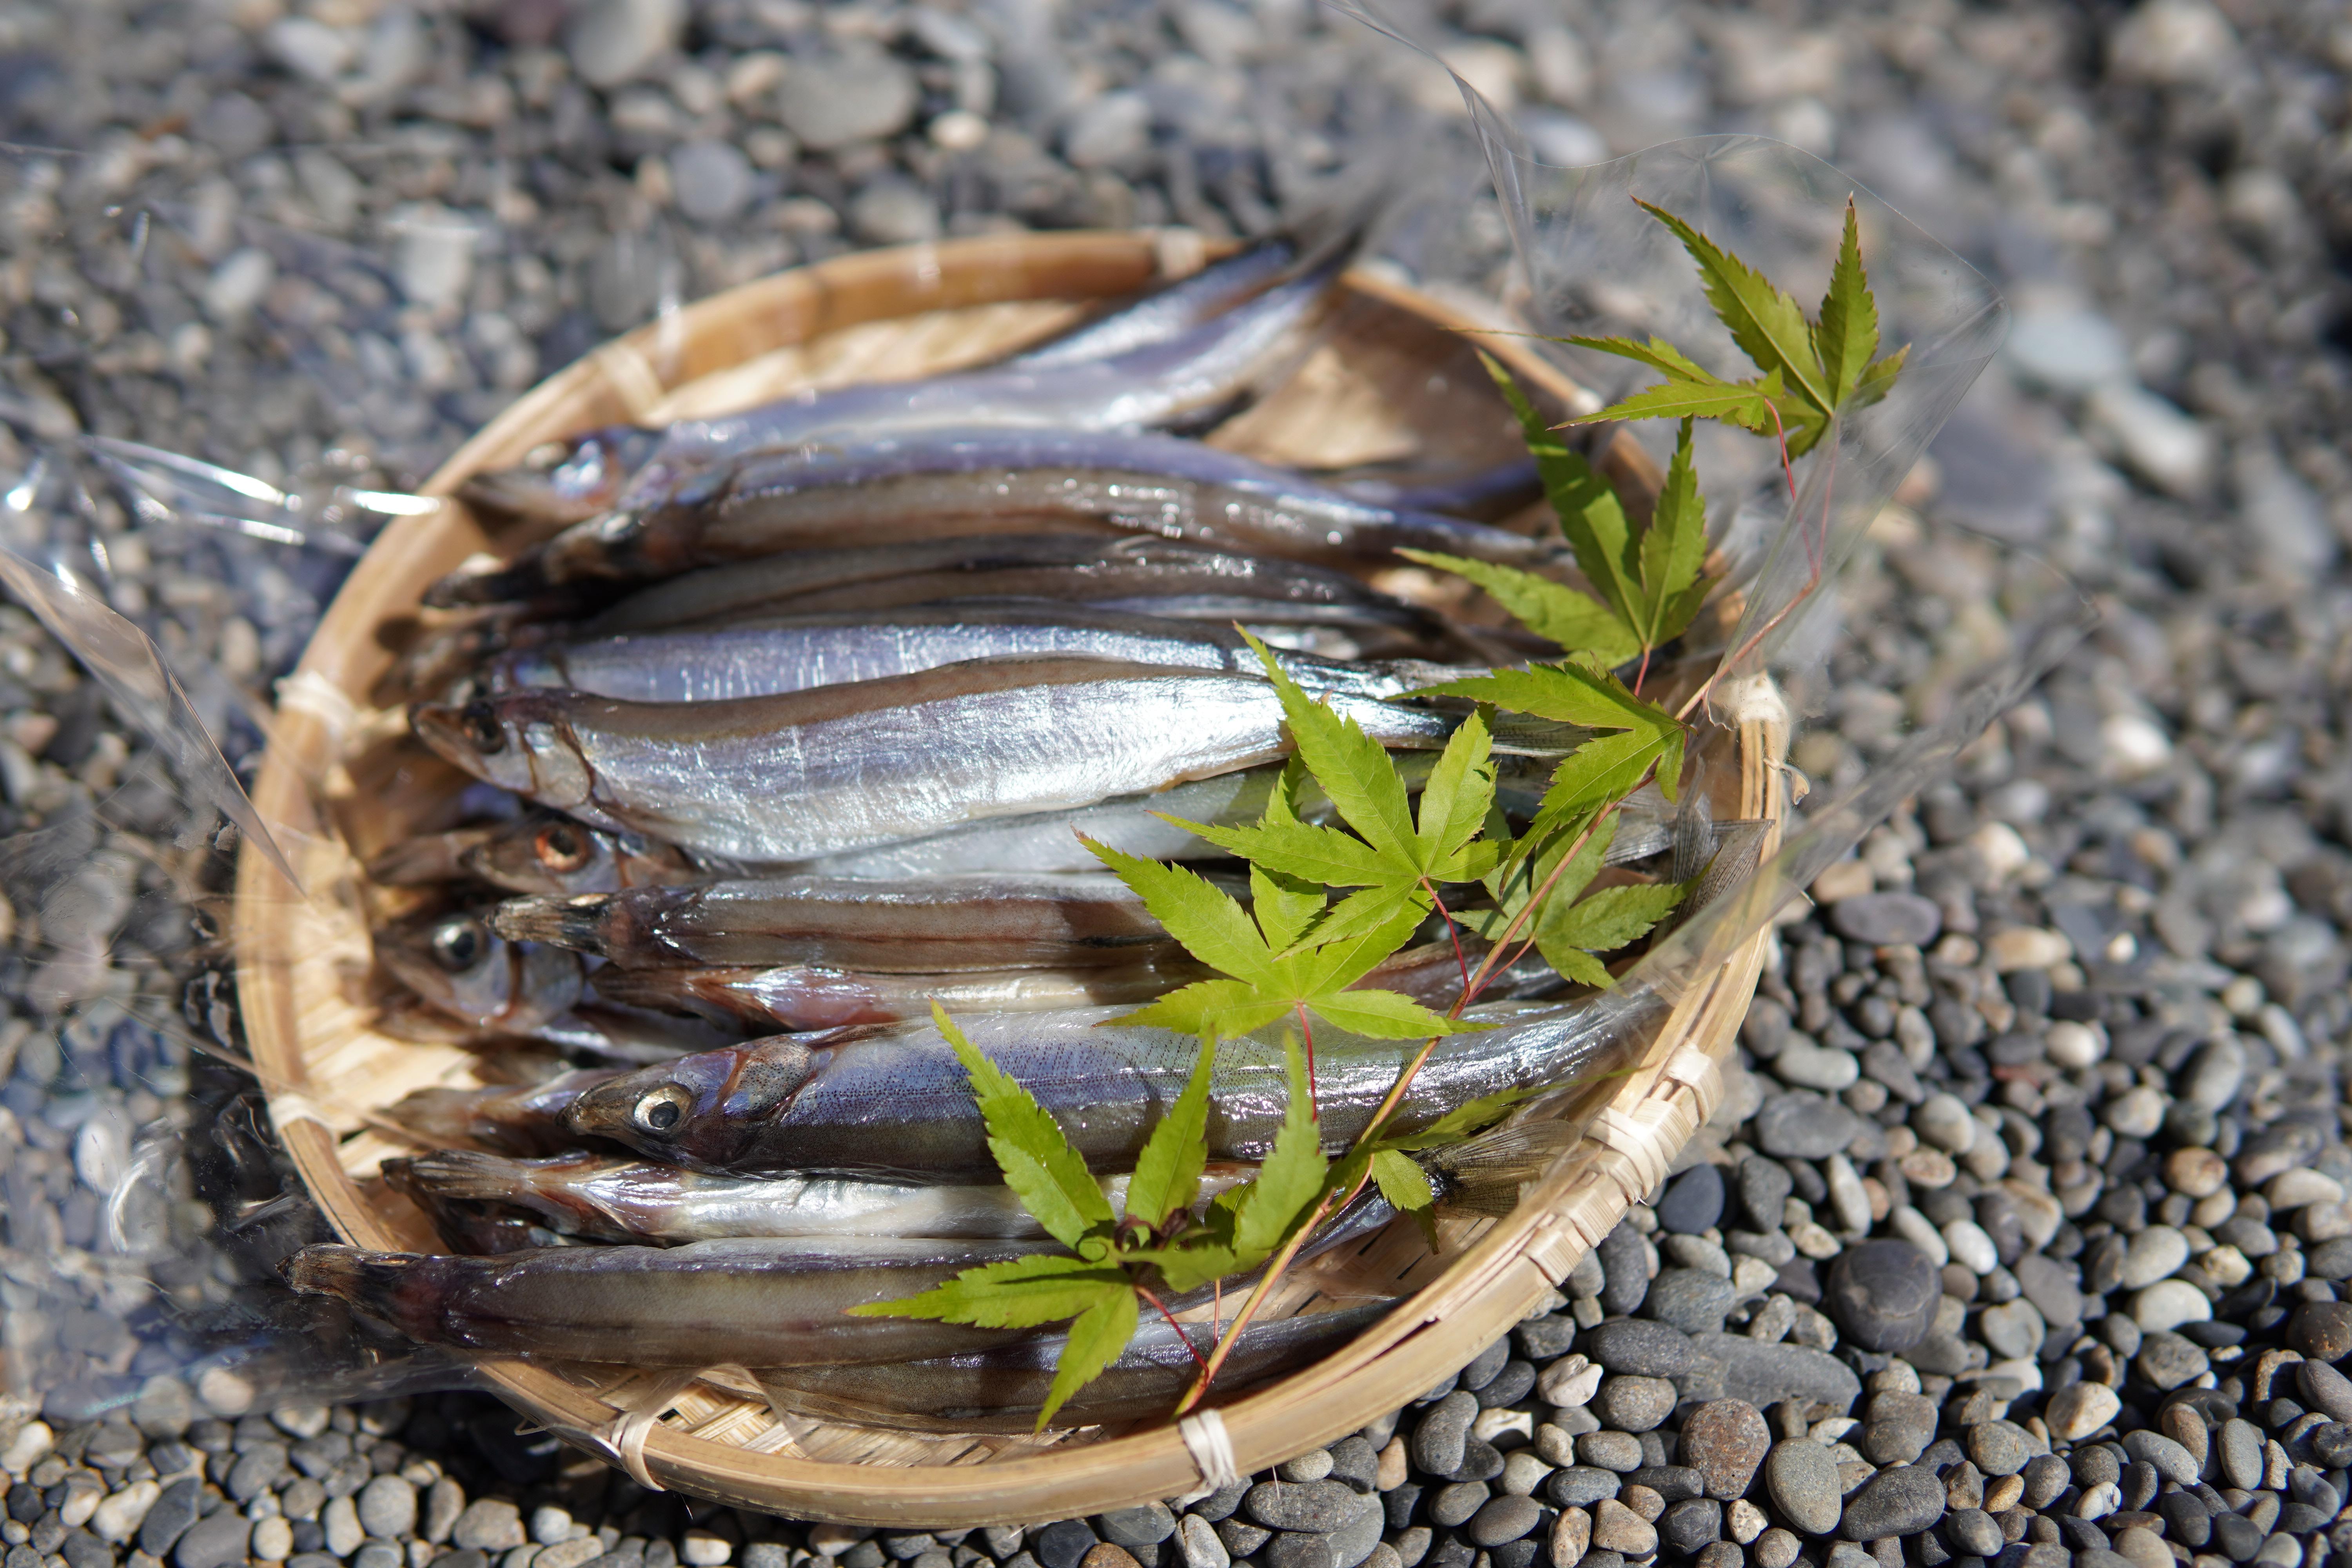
(548, 853)
(600, 1198)
(921, 928)
(765, 658)
(521, 1119)
(779, 1301)
(425, 858)
(1484, 495)
(896, 1098)
(1197, 371)
(1003, 1390)
(957, 482)
(1061, 568)
(802, 997)
(456, 962)
(791, 777)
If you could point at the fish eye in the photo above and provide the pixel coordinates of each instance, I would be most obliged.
(563, 847)
(661, 1111)
(457, 945)
(482, 728)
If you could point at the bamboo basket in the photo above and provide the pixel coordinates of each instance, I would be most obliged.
(1392, 376)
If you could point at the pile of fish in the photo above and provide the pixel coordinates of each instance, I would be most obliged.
(790, 726)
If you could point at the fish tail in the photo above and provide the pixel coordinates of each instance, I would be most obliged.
(395, 1286)
(455, 1175)
(1484, 1175)
(572, 921)
(525, 579)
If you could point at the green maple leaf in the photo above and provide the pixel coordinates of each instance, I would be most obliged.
(1577, 622)
(1604, 768)
(1406, 1187)
(1845, 333)
(1167, 1172)
(1767, 323)
(1289, 1179)
(1591, 516)
(1049, 1176)
(1673, 551)
(1569, 934)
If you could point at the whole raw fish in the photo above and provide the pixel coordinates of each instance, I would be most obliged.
(763, 657)
(1003, 1390)
(808, 773)
(600, 1198)
(513, 1119)
(456, 962)
(548, 853)
(925, 927)
(775, 1302)
(895, 1098)
(1199, 371)
(801, 997)
(955, 482)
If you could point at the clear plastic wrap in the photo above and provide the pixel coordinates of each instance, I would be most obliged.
(156, 1201)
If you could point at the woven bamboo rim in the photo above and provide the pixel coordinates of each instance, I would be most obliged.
(1394, 375)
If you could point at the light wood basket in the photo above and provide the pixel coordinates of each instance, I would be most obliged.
(1394, 377)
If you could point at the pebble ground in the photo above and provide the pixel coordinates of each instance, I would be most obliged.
(2025, 1233)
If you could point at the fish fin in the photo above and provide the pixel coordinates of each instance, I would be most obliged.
(559, 920)
(1518, 1152)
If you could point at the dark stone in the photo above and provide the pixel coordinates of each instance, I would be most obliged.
(81, 1549)
(1802, 1480)
(1482, 1367)
(1546, 1338)
(1136, 1528)
(1062, 1544)
(1625, 1270)
(1453, 1505)
(1883, 1294)
(1355, 1463)
(1693, 1201)
(1218, 1505)
(1688, 1525)
(1644, 1349)
(1692, 1299)
(1801, 1125)
(2186, 1519)
(1317, 1506)
(214, 1543)
(1902, 1501)
(1581, 1486)
(1631, 1404)
(1887, 919)
(1764, 1187)
(174, 1511)
(2168, 1361)
(2050, 1285)
(1519, 1554)
(1508, 1387)
(1972, 1532)
(2322, 1331)
(1437, 1442)
(1897, 1427)
(1241, 1538)
(1503, 1519)
(2238, 1536)
(1725, 1440)
(1673, 1482)
(2045, 1477)
(1764, 1375)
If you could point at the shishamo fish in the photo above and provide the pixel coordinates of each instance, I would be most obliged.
(547, 853)
(958, 482)
(928, 926)
(769, 1301)
(1003, 1390)
(807, 773)
(603, 1198)
(1201, 369)
(456, 962)
(896, 1098)
(764, 658)
(519, 1119)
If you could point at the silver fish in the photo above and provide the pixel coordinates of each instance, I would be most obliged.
(601, 1198)
(922, 928)
(778, 1302)
(896, 1099)
(956, 482)
(791, 777)
(1201, 369)
(513, 1119)
(456, 962)
(547, 853)
(801, 997)
(796, 653)
(1005, 1390)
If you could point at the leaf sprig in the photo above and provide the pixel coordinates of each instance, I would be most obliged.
(1330, 904)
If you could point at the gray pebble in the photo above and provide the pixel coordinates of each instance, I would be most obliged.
(1438, 1441)
(1503, 1519)
(1897, 1427)
(1882, 1295)
(1887, 919)
(387, 1508)
(214, 1543)
(1642, 1348)
(1317, 1506)
(1764, 1375)
(1618, 1451)
(2326, 1389)
(1801, 1125)
(830, 102)
(1581, 1486)
(1802, 1480)
(1691, 1524)
(1900, 1501)
(1625, 1263)
(1692, 1299)
(1998, 1447)
(1632, 1403)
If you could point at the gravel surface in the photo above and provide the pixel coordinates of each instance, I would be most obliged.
(2026, 1234)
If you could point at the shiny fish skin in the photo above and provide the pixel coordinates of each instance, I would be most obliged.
(1003, 1390)
(958, 482)
(1198, 371)
(549, 853)
(764, 658)
(603, 1198)
(802, 997)
(778, 1302)
(919, 928)
(1076, 569)
(456, 963)
(770, 779)
(896, 1099)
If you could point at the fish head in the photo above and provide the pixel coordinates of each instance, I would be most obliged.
(456, 962)
(566, 482)
(701, 1111)
(546, 854)
(519, 741)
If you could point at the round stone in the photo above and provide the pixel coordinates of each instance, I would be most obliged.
(713, 181)
(1691, 1524)
(1802, 1481)
(1972, 1532)
(1503, 1519)
(1776, 1547)
(2168, 1361)
(2168, 1304)
(1633, 1404)
(2195, 1173)
(1804, 1126)
(2328, 1391)
(1887, 919)
(2166, 1458)
(1693, 1201)
(1900, 1501)
(1644, 1349)
(1616, 1528)
(2155, 1253)
(1581, 1486)
(859, 97)
(1618, 1451)
(1725, 1440)
(387, 1508)
(1692, 1299)
(1998, 1447)
(1943, 1122)
(2322, 1331)
(2080, 1410)
(1882, 1295)
(1898, 1427)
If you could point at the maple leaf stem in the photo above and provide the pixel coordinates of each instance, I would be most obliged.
(1306, 1029)
(1453, 931)
(1816, 558)
(1256, 1298)
(1487, 965)
(1781, 435)
(1187, 1340)
(1643, 673)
